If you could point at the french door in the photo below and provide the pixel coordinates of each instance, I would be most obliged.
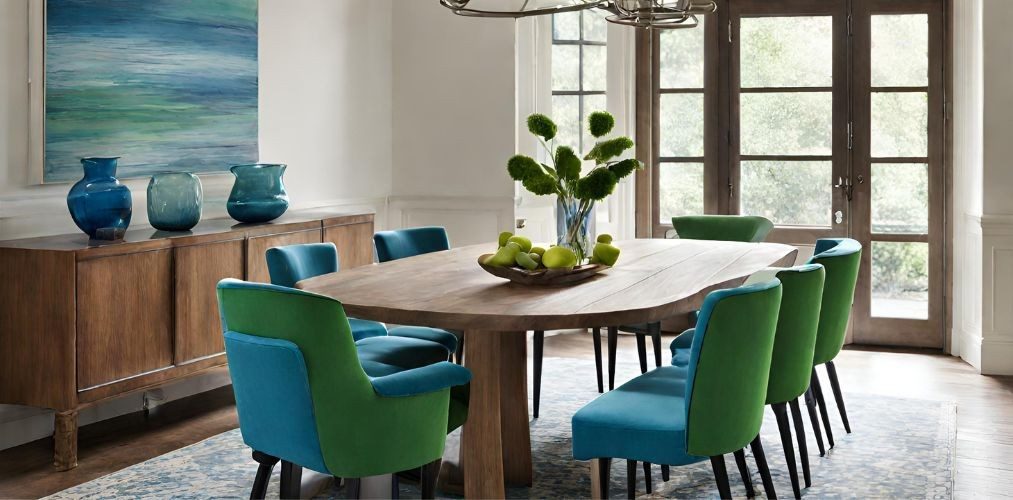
(825, 116)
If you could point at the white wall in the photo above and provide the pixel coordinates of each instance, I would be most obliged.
(454, 121)
(325, 109)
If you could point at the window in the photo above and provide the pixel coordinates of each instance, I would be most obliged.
(578, 74)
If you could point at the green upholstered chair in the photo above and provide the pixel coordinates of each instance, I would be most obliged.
(745, 228)
(304, 397)
(404, 243)
(712, 407)
(841, 257)
(291, 264)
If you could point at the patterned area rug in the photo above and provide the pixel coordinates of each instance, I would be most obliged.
(900, 448)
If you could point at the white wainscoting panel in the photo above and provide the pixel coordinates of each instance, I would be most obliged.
(469, 220)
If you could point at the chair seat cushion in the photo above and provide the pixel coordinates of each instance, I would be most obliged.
(442, 337)
(364, 329)
(397, 353)
(644, 420)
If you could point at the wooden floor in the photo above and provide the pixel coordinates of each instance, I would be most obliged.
(984, 463)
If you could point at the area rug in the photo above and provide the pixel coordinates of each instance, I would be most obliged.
(899, 448)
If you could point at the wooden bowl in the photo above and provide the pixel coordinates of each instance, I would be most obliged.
(543, 277)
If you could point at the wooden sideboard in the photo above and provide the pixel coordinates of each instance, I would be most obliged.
(84, 321)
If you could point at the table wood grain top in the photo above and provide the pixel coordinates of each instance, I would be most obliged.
(653, 279)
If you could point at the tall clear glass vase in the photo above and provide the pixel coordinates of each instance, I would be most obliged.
(574, 231)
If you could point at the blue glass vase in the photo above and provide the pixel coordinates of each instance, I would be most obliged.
(573, 228)
(174, 201)
(259, 192)
(98, 203)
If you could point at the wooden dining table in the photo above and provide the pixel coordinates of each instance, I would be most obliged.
(654, 279)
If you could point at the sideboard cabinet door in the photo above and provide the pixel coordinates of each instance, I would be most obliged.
(124, 316)
(354, 242)
(199, 268)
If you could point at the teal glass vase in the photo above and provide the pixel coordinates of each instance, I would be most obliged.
(175, 201)
(99, 204)
(259, 192)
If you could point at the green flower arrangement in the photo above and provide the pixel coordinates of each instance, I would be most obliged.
(563, 178)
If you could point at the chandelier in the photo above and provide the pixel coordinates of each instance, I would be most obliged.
(657, 14)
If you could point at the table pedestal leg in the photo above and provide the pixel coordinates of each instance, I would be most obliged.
(496, 442)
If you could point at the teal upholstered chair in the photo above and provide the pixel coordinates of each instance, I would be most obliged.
(745, 228)
(712, 407)
(304, 397)
(403, 243)
(290, 264)
(841, 257)
(794, 343)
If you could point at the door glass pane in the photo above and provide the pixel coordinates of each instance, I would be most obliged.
(594, 26)
(565, 67)
(592, 103)
(566, 26)
(900, 198)
(900, 50)
(786, 52)
(900, 124)
(787, 192)
(594, 67)
(682, 58)
(900, 280)
(681, 125)
(566, 114)
(799, 123)
(680, 190)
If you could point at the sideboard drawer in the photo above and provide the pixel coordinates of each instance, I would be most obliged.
(124, 316)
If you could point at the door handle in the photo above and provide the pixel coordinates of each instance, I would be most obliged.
(845, 184)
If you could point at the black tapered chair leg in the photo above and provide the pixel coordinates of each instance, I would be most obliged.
(291, 480)
(604, 473)
(761, 464)
(395, 487)
(814, 384)
(596, 336)
(613, 341)
(631, 479)
(810, 404)
(647, 477)
(784, 427)
(665, 473)
(429, 474)
(267, 463)
(642, 352)
(721, 476)
(803, 447)
(740, 462)
(838, 396)
(539, 344)
(655, 330)
(353, 487)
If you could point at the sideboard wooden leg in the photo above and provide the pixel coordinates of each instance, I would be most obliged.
(65, 440)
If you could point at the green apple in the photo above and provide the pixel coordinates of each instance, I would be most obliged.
(559, 258)
(524, 260)
(504, 237)
(539, 250)
(605, 238)
(504, 257)
(536, 257)
(522, 241)
(606, 254)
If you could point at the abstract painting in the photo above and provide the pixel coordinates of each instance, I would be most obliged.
(167, 85)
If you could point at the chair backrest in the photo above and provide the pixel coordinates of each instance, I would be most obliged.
(295, 371)
(795, 340)
(841, 257)
(749, 228)
(290, 264)
(401, 243)
(729, 366)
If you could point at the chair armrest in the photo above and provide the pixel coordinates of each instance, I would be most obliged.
(429, 378)
(683, 341)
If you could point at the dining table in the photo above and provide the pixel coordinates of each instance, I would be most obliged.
(654, 279)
